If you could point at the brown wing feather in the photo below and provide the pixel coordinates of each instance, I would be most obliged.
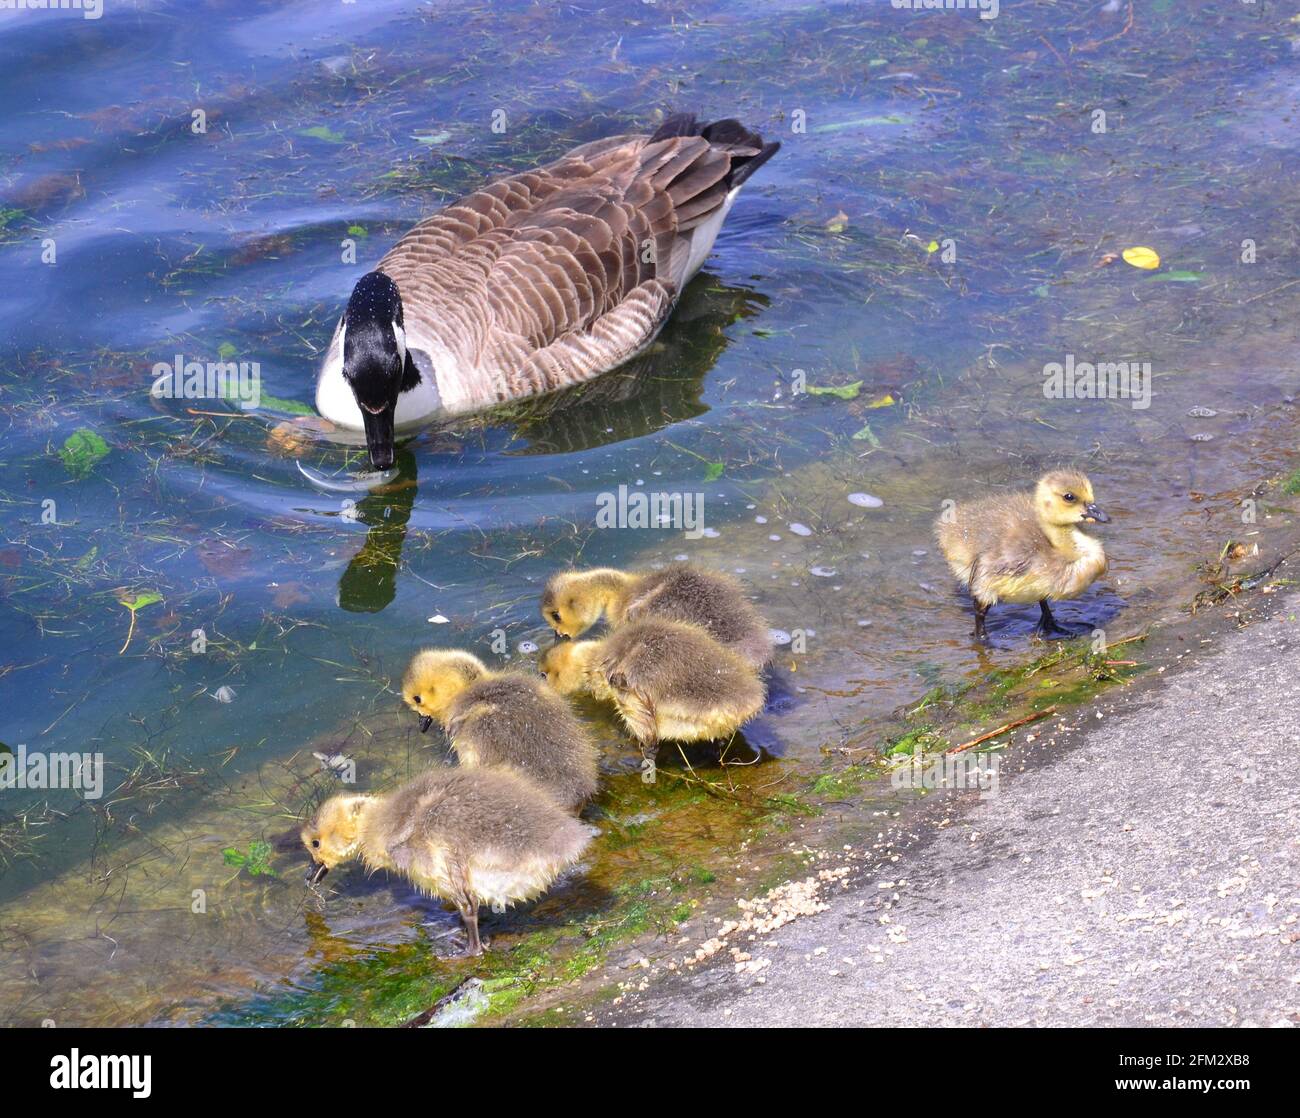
(549, 277)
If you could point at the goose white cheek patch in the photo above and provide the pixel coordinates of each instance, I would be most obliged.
(400, 335)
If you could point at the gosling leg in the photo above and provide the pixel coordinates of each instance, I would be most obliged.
(469, 917)
(639, 716)
(467, 905)
(1049, 622)
(981, 634)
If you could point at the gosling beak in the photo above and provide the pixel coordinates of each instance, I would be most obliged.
(426, 720)
(315, 872)
(1095, 515)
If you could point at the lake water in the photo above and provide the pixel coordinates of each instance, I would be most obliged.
(943, 221)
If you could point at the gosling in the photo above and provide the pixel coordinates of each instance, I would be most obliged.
(468, 836)
(1026, 547)
(669, 681)
(574, 601)
(503, 719)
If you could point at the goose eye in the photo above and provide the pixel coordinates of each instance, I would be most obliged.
(315, 844)
(1069, 498)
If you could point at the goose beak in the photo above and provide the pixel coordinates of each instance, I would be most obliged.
(315, 872)
(1095, 515)
(426, 721)
(380, 438)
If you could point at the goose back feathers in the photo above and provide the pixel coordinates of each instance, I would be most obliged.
(547, 278)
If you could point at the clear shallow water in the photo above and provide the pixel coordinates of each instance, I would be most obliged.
(326, 121)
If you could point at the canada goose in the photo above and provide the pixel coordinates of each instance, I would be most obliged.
(669, 680)
(536, 281)
(573, 601)
(469, 836)
(1025, 547)
(496, 719)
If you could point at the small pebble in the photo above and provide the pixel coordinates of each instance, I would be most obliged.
(865, 500)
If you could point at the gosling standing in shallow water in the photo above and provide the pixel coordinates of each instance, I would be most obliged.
(503, 719)
(469, 836)
(669, 680)
(1026, 547)
(574, 601)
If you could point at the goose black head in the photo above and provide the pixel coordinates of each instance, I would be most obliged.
(375, 362)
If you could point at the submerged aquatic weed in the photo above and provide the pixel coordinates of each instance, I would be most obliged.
(257, 861)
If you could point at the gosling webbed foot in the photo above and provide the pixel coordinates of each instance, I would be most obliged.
(1050, 627)
(455, 943)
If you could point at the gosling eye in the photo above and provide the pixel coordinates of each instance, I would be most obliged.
(415, 699)
(315, 844)
(555, 616)
(1068, 498)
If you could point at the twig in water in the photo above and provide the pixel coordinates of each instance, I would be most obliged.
(1001, 730)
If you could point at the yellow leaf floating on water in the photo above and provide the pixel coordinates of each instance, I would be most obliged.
(1142, 257)
(933, 246)
(885, 401)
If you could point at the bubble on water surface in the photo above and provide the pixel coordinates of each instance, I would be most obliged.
(865, 500)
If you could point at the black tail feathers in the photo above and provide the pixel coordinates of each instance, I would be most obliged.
(748, 151)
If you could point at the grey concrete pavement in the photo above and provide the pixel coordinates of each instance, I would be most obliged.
(1143, 870)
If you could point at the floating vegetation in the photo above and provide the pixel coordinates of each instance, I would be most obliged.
(81, 451)
(133, 602)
